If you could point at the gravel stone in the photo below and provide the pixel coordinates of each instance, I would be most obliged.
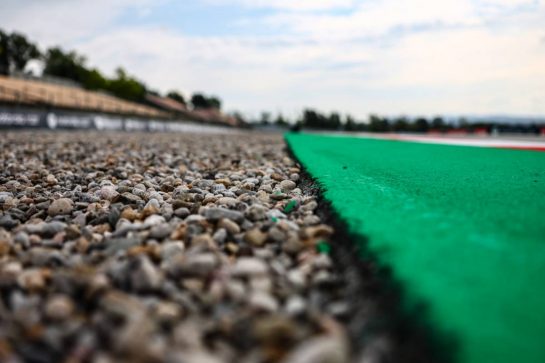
(145, 276)
(220, 236)
(197, 265)
(155, 247)
(228, 201)
(255, 237)
(59, 307)
(287, 185)
(160, 231)
(256, 212)
(215, 214)
(108, 192)
(320, 350)
(60, 206)
(5, 196)
(182, 212)
(8, 222)
(229, 226)
(249, 266)
(263, 301)
(171, 249)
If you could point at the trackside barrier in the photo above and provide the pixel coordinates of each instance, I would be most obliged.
(20, 118)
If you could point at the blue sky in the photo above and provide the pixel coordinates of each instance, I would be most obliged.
(413, 57)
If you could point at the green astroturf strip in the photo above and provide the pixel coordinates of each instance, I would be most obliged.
(462, 227)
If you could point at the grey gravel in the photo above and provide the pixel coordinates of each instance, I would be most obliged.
(215, 214)
(162, 248)
(60, 206)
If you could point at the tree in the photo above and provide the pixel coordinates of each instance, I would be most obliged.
(400, 124)
(312, 119)
(22, 51)
(350, 124)
(176, 96)
(199, 101)
(15, 52)
(127, 87)
(4, 53)
(334, 121)
(214, 102)
(421, 125)
(71, 65)
(378, 124)
(65, 65)
(437, 123)
(315, 120)
(265, 118)
(93, 79)
(280, 121)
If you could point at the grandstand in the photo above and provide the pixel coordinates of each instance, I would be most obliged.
(216, 116)
(210, 115)
(171, 106)
(43, 94)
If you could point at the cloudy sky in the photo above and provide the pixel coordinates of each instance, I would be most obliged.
(414, 57)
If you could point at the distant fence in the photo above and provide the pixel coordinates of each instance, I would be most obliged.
(27, 118)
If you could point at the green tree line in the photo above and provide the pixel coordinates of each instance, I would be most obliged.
(314, 120)
(16, 51)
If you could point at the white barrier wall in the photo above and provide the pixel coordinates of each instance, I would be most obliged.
(62, 120)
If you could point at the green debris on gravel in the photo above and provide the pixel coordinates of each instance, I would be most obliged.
(323, 247)
(290, 206)
(462, 227)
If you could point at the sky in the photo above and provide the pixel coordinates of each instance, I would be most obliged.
(391, 57)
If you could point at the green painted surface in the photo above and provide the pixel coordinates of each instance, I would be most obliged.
(462, 227)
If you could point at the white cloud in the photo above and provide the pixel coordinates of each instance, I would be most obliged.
(454, 71)
(65, 21)
(387, 56)
(293, 5)
(376, 18)
(509, 3)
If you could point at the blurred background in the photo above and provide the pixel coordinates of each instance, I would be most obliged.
(267, 61)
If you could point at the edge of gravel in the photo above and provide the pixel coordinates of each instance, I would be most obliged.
(381, 329)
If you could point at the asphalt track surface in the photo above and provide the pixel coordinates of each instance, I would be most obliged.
(535, 143)
(462, 227)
